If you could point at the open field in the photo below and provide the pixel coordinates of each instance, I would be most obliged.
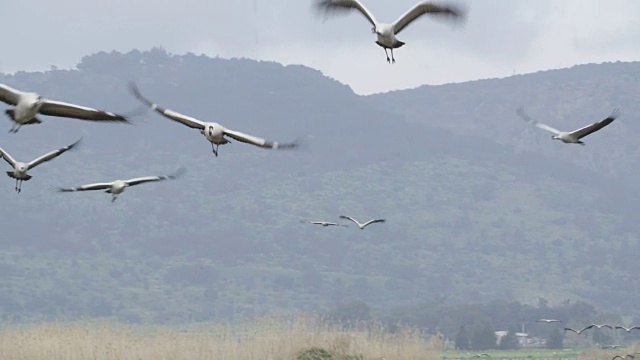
(531, 354)
(269, 338)
(263, 339)
(540, 354)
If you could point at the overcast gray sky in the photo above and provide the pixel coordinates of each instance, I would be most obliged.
(500, 38)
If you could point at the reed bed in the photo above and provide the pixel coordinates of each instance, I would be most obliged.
(269, 338)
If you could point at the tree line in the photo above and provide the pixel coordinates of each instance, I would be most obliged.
(474, 326)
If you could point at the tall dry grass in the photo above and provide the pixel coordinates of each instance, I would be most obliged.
(268, 338)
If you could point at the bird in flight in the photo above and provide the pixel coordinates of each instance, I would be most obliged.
(627, 329)
(572, 137)
(587, 328)
(20, 168)
(323, 223)
(214, 132)
(28, 104)
(548, 320)
(630, 356)
(600, 326)
(117, 187)
(362, 226)
(386, 32)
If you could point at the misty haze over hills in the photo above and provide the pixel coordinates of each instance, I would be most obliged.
(479, 205)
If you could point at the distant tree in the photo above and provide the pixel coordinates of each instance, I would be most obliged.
(600, 337)
(351, 313)
(483, 337)
(543, 303)
(555, 339)
(437, 341)
(462, 340)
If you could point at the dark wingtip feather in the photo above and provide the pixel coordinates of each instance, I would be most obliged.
(76, 143)
(178, 173)
(325, 8)
(615, 114)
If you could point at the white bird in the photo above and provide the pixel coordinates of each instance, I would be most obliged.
(385, 32)
(212, 131)
(362, 226)
(578, 331)
(323, 223)
(28, 105)
(572, 137)
(600, 326)
(548, 321)
(627, 329)
(588, 327)
(20, 168)
(117, 187)
(631, 356)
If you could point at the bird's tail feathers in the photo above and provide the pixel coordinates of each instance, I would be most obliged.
(13, 175)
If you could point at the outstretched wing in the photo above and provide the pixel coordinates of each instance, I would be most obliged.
(535, 123)
(170, 114)
(373, 222)
(5, 155)
(349, 218)
(449, 12)
(50, 155)
(580, 133)
(141, 180)
(9, 95)
(250, 139)
(62, 109)
(344, 6)
(96, 186)
(574, 330)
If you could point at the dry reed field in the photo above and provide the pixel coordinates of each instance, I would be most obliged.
(270, 338)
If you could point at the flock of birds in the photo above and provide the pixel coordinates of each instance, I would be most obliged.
(600, 326)
(597, 326)
(28, 105)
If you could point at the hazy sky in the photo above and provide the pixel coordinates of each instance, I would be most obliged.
(500, 37)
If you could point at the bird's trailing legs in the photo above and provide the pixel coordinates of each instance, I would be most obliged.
(18, 185)
(390, 60)
(214, 148)
(113, 197)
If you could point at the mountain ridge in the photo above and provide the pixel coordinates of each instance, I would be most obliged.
(476, 209)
